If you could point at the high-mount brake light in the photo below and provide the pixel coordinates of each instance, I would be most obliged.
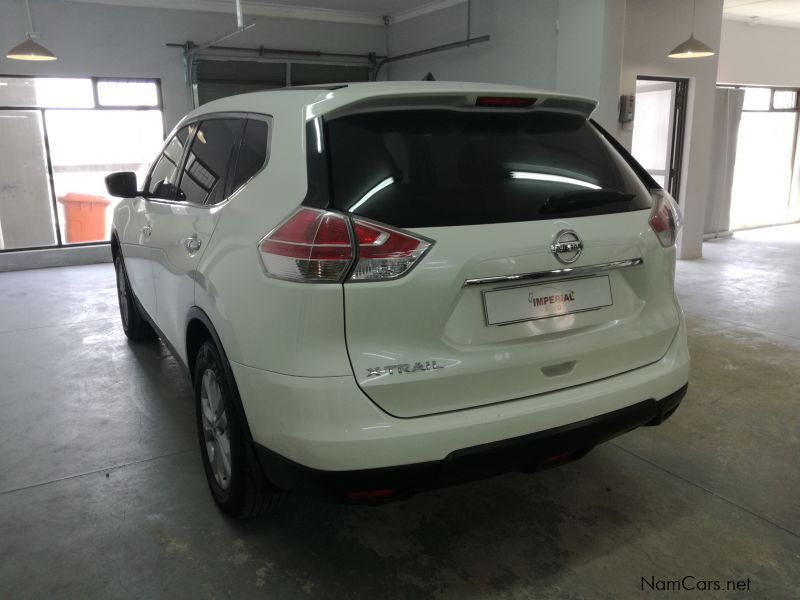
(665, 218)
(321, 246)
(504, 101)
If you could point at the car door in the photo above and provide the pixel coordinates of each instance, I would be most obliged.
(138, 224)
(182, 228)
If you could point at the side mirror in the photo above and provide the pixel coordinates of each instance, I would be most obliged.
(122, 184)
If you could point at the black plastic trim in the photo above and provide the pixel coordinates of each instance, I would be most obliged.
(318, 179)
(525, 453)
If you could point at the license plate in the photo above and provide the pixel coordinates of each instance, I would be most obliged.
(545, 300)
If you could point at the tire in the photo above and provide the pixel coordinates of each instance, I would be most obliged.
(234, 477)
(133, 323)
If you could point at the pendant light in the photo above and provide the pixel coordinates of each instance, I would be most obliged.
(692, 48)
(29, 49)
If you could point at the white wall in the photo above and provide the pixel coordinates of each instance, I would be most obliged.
(759, 54)
(652, 29)
(105, 40)
(522, 50)
(573, 46)
(589, 55)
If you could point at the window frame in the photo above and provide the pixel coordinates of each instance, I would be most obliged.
(95, 79)
(772, 90)
(195, 120)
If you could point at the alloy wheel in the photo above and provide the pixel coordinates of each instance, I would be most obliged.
(215, 428)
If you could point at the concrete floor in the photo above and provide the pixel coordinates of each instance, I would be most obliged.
(102, 493)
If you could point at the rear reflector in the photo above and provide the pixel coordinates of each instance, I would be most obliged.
(317, 246)
(665, 218)
(504, 101)
(557, 458)
(370, 494)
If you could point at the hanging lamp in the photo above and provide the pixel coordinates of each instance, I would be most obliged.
(692, 48)
(30, 49)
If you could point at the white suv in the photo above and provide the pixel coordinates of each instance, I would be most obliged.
(379, 288)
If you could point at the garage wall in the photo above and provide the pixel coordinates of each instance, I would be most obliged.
(104, 40)
(759, 54)
(652, 29)
(522, 50)
(573, 46)
(589, 54)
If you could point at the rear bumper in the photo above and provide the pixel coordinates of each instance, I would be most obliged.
(328, 424)
(528, 452)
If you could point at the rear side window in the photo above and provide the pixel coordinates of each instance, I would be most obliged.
(164, 176)
(443, 168)
(209, 160)
(253, 154)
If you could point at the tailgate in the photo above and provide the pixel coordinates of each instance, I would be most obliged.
(422, 344)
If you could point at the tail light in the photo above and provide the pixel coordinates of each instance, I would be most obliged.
(318, 246)
(665, 218)
(384, 253)
(311, 245)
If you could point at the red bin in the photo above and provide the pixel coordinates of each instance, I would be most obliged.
(85, 217)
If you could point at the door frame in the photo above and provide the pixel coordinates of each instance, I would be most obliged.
(679, 109)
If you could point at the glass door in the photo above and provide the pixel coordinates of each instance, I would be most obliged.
(764, 177)
(658, 127)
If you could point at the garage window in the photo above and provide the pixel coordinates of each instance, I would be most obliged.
(215, 79)
(62, 136)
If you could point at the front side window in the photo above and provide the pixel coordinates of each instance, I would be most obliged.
(210, 157)
(164, 177)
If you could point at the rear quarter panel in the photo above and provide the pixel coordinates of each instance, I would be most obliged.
(279, 326)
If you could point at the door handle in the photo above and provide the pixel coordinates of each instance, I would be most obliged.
(192, 244)
(147, 230)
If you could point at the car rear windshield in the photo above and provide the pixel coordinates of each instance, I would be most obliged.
(435, 168)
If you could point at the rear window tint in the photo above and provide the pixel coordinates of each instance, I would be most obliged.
(443, 168)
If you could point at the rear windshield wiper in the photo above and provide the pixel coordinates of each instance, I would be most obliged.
(587, 200)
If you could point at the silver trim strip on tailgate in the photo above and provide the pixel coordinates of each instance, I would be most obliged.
(617, 264)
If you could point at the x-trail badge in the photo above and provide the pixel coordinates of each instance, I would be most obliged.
(566, 246)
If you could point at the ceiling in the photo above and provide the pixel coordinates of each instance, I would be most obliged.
(369, 12)
(772, 12)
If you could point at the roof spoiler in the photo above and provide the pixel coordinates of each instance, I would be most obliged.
(483, 101)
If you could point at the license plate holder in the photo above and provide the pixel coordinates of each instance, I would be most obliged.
(546, 300)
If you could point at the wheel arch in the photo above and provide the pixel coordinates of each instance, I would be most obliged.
(115, 247)
(200, 329)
